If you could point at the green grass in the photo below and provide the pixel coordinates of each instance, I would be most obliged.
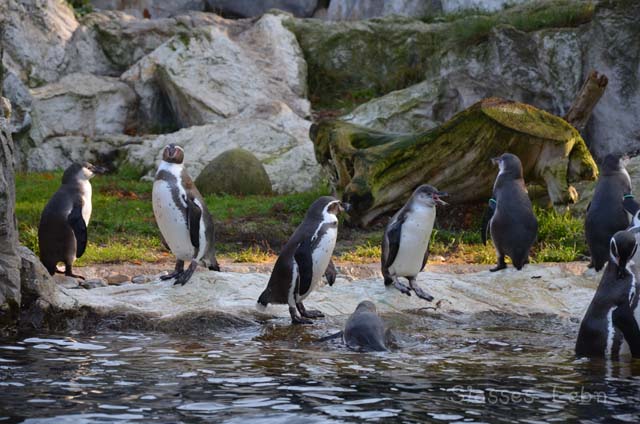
(253, 228)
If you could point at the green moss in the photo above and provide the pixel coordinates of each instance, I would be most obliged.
(80, 7)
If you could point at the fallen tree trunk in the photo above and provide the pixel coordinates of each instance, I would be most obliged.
(582, 107)
(376, 171)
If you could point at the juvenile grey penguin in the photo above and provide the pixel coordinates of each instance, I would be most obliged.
(405, 244)
(62, 233)
(609, 209)
(365, 330)
(182, 216)
(510, 219)
(305, 259)
(609, 327)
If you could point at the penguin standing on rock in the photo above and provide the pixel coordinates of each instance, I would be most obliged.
(510, 219)
(609, 209)
(304, 259)
(62, 233)
(609, 327)
(182, 216)
(405, 245)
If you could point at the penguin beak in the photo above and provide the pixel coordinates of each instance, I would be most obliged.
(345, 207)
(436, 197)
(622, 268)
(171, 150)
(98, 170)
(495, 161)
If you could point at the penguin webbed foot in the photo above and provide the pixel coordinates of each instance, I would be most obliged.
(403, 289)
(179, 269)
(501, 265)
(70, 273)
(308, 313)
(419, 292)
(297, 320)
(185, 276)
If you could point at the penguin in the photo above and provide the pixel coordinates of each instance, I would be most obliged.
(181, 213)
(304, 260)
(62, 233)
(405, 244)
(609, 209)
(609, 328)
(634, 229)
(365, 330)
(510, 219)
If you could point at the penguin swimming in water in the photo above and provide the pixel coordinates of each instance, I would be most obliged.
(62, 233)
(609, 209)
(405, 244)
(305, 259)
(182, 216)
(609, 327)
(510, 219)
(365, 330)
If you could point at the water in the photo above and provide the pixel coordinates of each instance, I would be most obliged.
(482, 368)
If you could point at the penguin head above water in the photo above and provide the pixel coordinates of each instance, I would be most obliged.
(173, 154)
(509, 165)
(622, 247)
(614, 163)
(366, 306)
(78, 172)
(428, 195)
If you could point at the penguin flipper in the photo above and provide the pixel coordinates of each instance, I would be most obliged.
(486, 220)
(79, 227)
(630, 204)
(331, 273)
(391, 243)
(305, 265)
(624, 320)
(426, 257)
(194, 213)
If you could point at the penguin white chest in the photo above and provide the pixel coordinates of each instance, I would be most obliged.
(321, 256)
(414, 242)
(86, 202)
(171, 219)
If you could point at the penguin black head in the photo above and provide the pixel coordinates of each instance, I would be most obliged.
(77, 172)
(429, 195)
(509, 165)
(327, 205)
(173, 154)
(366, 306)
(613, 163)
(622, 247)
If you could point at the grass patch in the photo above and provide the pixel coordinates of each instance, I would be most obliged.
(254, 228)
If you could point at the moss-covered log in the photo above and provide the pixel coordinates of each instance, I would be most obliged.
(377, 171)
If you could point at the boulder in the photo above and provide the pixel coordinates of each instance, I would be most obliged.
(223, 299)
(35, 36)
(90, 105)
(376, 171)
(213, 74)
(452, 6)
(9, 259)
(274, 134)
(20, 97)
(235, 171)
(448, 66)
(154, 8)
(252, 8)
(351, 10)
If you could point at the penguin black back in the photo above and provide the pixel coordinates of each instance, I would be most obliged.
(364, 330)
(606, 214)
(609, 320)
(513, 226)
(62, 232)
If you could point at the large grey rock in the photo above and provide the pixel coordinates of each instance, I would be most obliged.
(235, 171)
(212, 74)
(35, 36)
(154, 8)
(451, 6)
(274, 134)
(557, 290)
(251, 8)
(545, 68)
(9, 259)
(20, 97)
(351, 10)
(79, 105)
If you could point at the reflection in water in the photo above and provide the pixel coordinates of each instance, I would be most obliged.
(482, 368)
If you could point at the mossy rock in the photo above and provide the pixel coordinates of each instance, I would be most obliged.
(376, 171)
(236, 171)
